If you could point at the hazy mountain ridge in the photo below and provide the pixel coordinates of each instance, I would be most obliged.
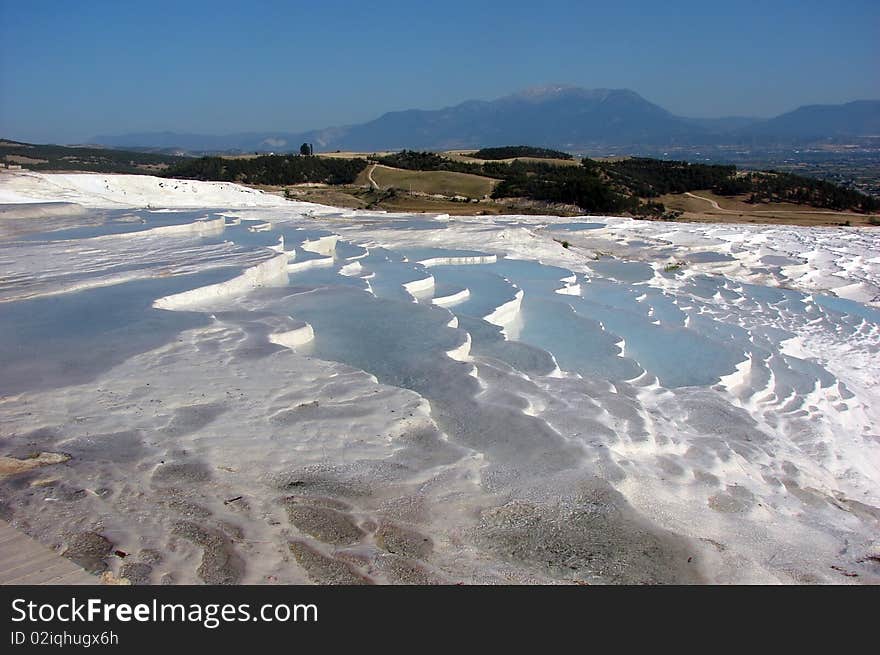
(857, 118)
(557, 116)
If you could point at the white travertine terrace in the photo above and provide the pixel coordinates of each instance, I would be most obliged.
(462, 261)
(294, 338)
(345, 396)
(507, 312)
(452, 299)
(270, 272)
(322, 246)
(319, 262)
(418, 286)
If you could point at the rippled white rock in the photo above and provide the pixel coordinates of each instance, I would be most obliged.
(257, 370)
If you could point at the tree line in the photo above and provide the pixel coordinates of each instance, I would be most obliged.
(629, 185)
(583, 185)
(650, 178)
(98, 160)
(626, 185)
(270, 169)
(511, 152)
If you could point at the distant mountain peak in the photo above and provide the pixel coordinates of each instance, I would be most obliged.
(542, 91)
(561, 116)
(553, 91)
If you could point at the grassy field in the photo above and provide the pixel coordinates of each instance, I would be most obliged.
(405, 191)
(362, 197)
(455, 155)
(707, 207)
(432, 182)
(424, 204)
(462, 156)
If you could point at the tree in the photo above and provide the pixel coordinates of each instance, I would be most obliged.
(304, 149)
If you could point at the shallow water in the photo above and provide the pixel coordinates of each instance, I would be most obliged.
(117, 222)
(622, 270)
(70, 338)
(560, 419)
(575, 227)
(708, 257)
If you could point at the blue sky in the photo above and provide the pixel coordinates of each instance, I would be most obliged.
(73, 69)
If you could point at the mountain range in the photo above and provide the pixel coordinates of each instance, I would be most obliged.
(563, 117)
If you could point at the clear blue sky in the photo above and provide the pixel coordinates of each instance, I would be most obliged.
(72, 69)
